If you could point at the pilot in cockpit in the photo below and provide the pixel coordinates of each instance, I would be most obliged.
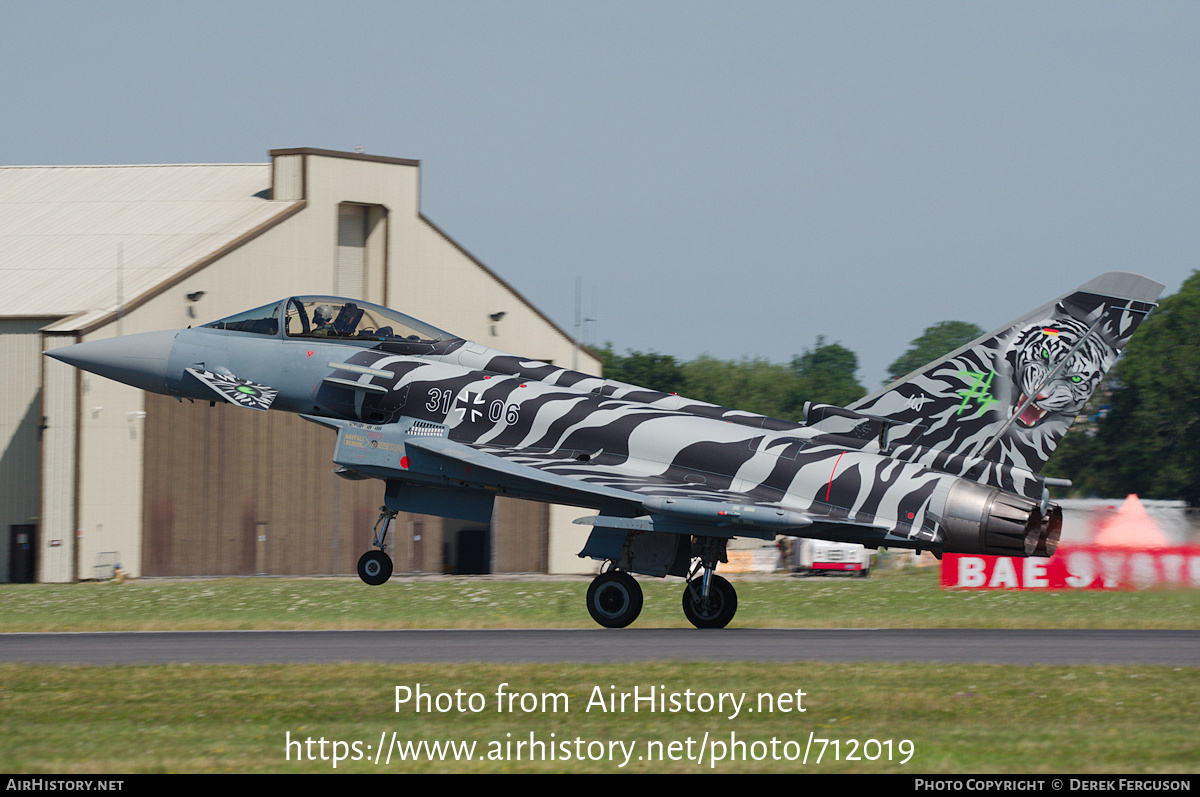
(323, 322)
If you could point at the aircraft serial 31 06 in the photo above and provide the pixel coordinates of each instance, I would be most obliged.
(944, 459)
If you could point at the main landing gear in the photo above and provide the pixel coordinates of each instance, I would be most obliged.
(375, 567)
(614, 598)
(709, 601)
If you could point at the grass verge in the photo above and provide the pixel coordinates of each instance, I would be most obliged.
(898, 600)
(958, 719)
(994, 719)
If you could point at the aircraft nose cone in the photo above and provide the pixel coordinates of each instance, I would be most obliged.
(138, 360)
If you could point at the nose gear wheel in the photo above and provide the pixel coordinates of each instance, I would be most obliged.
(375, 567)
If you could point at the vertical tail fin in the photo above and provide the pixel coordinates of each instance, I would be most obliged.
(1011, 395)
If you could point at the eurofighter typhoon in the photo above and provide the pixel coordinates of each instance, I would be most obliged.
(944, 459)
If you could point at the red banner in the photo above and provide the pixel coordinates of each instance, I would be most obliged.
(1076, 567)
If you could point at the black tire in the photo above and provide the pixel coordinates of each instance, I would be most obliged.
(717, 611)
(375, 567)
(614, 599)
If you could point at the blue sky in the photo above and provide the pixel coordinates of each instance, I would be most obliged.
(730, 178)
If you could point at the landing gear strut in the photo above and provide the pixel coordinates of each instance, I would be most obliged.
(614, 599)
(375, 567)
(714, 610)
(709, 601)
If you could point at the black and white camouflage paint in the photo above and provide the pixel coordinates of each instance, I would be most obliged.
(880, 472)
(945, 459)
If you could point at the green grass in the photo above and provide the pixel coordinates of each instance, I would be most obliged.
(966, 719)
(959, 719)
(910, 599)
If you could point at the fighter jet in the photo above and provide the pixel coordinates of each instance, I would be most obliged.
(944, 459)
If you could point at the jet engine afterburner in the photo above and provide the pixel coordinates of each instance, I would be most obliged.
(986, 520)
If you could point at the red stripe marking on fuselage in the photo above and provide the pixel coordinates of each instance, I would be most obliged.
(829, 486)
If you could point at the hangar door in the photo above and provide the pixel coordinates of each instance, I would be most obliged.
(227, 491)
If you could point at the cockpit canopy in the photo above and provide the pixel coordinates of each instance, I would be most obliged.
(332, 318)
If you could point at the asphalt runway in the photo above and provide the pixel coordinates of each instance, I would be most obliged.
(963, 646)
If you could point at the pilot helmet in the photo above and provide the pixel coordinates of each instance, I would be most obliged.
(323, 314)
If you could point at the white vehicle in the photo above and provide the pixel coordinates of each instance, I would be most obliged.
(820, 555)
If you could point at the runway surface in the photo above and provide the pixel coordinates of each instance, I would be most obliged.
(1177, 648)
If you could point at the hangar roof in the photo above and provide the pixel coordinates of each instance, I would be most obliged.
(70, 234)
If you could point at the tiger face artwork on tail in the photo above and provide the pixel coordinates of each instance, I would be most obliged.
(1009, 397)
(1057, 368)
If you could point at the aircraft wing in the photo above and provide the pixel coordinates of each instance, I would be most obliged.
(647, 523)
(450, 457)
(419, 454)
(643, 519)
(722, 512)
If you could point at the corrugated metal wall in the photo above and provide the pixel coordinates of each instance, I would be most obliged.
(230, 491)
(520, 537)
(350, 269)
(20, 415)
(288, 177)
(60, 448)
(236, 492)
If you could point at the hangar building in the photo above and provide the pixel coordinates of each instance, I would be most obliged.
(94, 473)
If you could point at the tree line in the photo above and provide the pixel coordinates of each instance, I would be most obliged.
(1141, 430)
(1140, 433)
(825, 373)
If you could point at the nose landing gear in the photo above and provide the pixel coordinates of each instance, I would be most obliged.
(375, 567)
